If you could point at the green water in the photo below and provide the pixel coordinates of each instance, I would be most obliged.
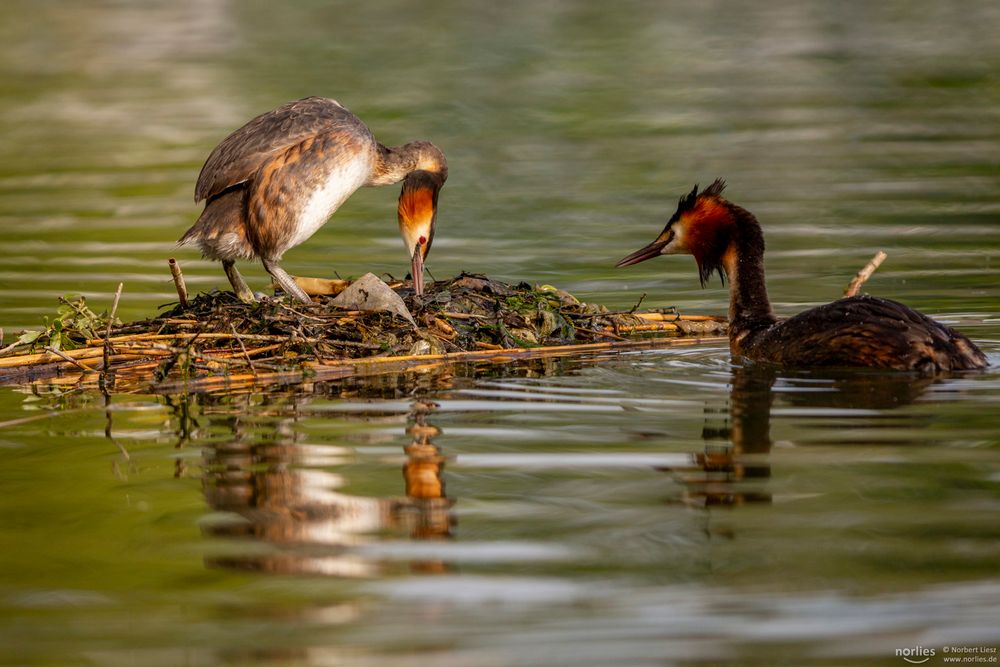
(651, 508)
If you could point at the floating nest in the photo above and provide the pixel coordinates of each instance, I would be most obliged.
(217, 340)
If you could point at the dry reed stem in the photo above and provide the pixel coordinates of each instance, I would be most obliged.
(47, 357)
(146, 351)
(663, 317)
(144, 337)
(638, 328)
(175, 272)
(321, 286)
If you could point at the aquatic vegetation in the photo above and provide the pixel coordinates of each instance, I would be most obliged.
(70, 328)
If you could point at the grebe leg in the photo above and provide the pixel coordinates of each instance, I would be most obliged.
(285, 281)
(236, 280)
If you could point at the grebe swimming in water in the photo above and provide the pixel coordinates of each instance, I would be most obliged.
(274, 182)
(854, 331)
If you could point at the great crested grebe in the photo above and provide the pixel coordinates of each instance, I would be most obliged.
(275, 181)
(854, 331)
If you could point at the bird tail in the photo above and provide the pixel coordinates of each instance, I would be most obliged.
(220, 232)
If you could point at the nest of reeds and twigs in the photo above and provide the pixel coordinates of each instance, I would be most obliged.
(215, 334)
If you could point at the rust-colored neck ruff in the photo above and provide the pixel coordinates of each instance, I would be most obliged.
(743, 262)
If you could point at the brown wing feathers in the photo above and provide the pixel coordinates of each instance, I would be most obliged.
(244, 151)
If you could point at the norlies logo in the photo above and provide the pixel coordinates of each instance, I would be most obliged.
(917, 655)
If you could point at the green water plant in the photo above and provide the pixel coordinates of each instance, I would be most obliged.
(73, 324)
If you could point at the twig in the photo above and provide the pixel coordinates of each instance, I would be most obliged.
(603, 334)
(111, 321)
(865, 273)
(114, 309)
(299, 314)
(243, 347)
(175, 271)
(68, 358)
(638, 303)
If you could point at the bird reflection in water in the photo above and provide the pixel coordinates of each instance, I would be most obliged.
(282, 504)
(733, 468)
(735, 465)
(426, 512)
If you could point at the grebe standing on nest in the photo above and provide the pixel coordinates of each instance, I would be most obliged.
(855, 331)
(274, 182)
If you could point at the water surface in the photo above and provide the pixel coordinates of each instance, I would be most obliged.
(615, 510)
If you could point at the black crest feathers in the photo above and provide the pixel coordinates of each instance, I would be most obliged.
(686, 202)
(715, 189)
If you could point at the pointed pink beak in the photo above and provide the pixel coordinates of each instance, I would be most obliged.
(417, 269)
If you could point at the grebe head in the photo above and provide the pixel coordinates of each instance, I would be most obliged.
(417, 211)
(702, 226)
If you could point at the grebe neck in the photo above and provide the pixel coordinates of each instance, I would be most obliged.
(743, 262)
(394, 164)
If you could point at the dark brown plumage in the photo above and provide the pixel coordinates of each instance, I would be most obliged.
(275, 181)
(856, 331)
